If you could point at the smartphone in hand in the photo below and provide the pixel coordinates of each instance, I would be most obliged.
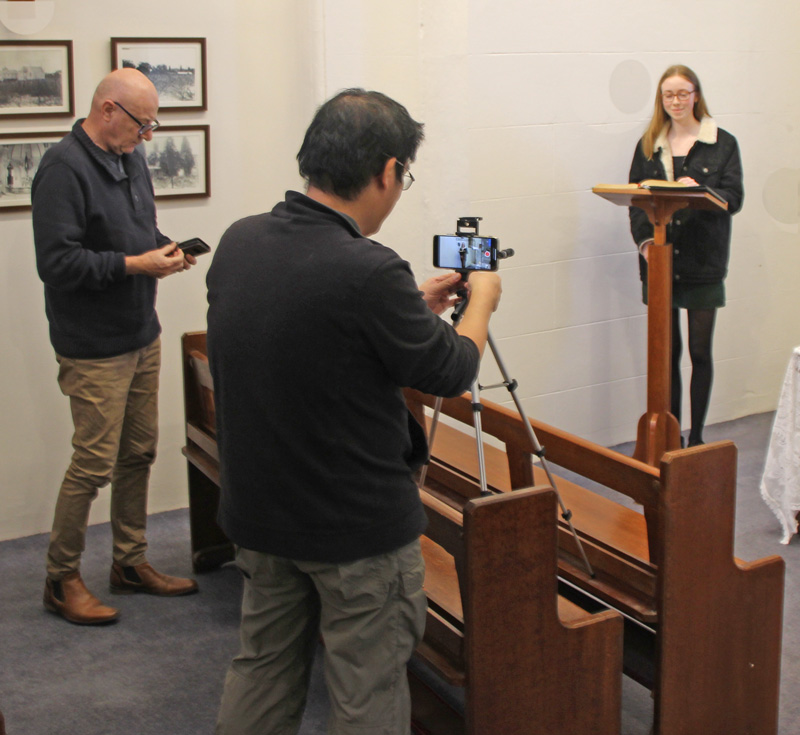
(195, 246)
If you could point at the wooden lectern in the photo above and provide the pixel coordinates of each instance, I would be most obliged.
(658, 430)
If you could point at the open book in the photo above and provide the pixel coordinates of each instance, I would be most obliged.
(660, 184)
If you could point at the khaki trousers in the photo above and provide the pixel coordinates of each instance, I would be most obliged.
(371, 615)
(114, 404)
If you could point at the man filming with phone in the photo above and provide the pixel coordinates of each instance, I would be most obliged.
(313, 331)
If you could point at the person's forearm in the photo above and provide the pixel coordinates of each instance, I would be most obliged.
(133, 265)
(475, 322)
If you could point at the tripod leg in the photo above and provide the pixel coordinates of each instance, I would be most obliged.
(511, 385)
(477, 407)
(437, 411)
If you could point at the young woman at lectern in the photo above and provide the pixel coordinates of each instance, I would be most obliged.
(683, 143)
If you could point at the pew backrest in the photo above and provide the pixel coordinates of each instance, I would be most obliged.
(714, 621)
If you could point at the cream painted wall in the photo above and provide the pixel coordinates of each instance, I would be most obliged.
(262, 89)
(526, 105)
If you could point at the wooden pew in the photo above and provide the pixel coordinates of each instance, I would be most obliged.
(703, 630)
(210, 545)
(530, 661)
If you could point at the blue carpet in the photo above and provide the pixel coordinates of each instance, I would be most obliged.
(159, 670)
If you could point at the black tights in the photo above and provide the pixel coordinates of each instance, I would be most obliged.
(701, 335)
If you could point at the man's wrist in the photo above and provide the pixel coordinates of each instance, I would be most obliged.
(132, 265)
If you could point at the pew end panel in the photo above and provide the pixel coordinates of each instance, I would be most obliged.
(531, 662)
(192, 342)
(719, 642)
(573, 666)
(210, 546)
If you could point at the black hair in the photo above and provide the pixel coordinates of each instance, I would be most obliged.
(350, 139)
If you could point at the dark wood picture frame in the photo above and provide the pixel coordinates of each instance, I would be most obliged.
(168, 165)
(177, 67)
(20, 155)
(36, 79)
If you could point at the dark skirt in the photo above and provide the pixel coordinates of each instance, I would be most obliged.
(694, 295)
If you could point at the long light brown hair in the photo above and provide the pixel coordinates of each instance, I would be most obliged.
(660, 116)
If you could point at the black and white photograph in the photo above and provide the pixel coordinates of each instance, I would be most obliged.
(176, 66)
(178, 159)
(36, 79)
(20, 156)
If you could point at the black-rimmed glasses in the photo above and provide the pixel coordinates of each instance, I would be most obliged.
(144, 128)
(408, 177)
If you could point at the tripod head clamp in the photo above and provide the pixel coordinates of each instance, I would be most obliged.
(467, 226)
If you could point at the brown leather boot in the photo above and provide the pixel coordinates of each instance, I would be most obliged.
(143, 578)
(69, 598)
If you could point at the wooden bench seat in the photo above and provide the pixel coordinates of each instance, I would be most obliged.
(703, 629)
(444, 594)
(614, 536)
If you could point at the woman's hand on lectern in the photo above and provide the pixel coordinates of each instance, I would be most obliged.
(644, 246)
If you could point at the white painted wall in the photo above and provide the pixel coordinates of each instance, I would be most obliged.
(526, 105)
(262, 72)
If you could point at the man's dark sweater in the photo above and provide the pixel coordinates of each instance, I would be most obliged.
(88, 214)
(312, 332)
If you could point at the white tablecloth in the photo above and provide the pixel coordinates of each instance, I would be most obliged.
(780, 484)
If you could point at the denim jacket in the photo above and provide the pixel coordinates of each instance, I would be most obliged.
(701, 239)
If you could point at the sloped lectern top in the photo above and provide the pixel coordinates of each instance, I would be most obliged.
(627, 195)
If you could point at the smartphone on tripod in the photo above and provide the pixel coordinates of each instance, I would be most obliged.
(465, 252)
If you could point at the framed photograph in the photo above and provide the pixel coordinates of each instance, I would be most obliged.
(36, 79)
(20, 156)
(178, 159)
(176, 66)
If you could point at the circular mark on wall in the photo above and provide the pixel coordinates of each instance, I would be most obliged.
(629, 86)
(782, 195)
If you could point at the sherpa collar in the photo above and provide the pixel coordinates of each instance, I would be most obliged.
(706, 134)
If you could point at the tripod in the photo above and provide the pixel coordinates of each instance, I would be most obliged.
(537, 449)
(511, 385)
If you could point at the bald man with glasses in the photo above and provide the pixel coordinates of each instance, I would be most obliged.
(99, 253)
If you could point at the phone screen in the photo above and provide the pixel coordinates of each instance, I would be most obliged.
(465, 252)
